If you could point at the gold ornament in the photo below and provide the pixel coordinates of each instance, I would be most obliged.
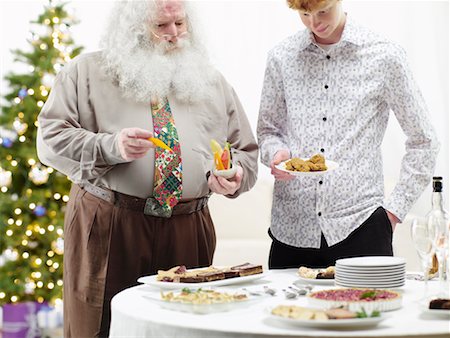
(38, 175)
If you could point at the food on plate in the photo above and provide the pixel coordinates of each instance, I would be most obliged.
(315, 163)
(201, 296)
(247, 269)
(368, 300)
(304, 313)
(309, 273)
(222, 157)
(179, 274)
(440, 304)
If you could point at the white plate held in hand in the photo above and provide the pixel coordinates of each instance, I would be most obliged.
(331, 165)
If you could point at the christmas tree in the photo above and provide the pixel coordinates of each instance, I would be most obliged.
(32, 196)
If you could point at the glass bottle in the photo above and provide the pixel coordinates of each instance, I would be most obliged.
(438, 223)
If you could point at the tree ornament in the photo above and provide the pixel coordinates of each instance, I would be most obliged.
(6, 142)
(22, 93)
(5, 178)
(39, 211)
(58, 246)
(38, 175)
(20, 127)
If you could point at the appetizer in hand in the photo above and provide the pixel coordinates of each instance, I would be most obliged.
(223, 165)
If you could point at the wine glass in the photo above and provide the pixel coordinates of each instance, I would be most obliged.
(423, 243)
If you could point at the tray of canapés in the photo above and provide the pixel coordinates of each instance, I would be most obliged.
(336, 317)
(203, 300)
(179, 277)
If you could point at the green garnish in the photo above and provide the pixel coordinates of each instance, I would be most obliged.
(186, 290)
(363, 314)
(368, 294)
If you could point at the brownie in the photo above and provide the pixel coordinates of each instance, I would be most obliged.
(247, 269)
(325, 275)
(440, 304)
(203, 277)
(231, 274)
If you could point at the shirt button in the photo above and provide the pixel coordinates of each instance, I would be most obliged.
(324, 119)
(320, 182)
(320, 214)
(326, 86)
(328, 57)
(322, 150)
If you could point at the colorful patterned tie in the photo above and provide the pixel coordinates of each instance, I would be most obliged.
(167, 181)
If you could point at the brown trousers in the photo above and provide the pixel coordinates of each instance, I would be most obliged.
(106, 248)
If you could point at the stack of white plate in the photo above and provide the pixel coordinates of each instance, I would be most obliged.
(371, 272)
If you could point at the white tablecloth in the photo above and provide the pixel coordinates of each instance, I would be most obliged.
(135, 316)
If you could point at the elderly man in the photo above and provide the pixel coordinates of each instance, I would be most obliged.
(135, 208)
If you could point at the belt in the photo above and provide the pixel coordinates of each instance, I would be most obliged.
(149, 206)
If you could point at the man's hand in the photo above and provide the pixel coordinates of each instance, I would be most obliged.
(222, 186)
(394, 219)
(280, 156)
(133, 143)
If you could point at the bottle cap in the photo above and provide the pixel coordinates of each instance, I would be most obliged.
(437, 184)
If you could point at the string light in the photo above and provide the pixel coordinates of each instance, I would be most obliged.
(9, 232)
(10, 221)
(22, 139)
(36, 274)
(57, 196)
(14, 163)
(38, 261)
(30, 92)
(28, 233)
(31, 161)
(25, 255)
(2, 295)
(17, 100)
(14, 299)
(19, 222)
(17, 211)
(32, 206)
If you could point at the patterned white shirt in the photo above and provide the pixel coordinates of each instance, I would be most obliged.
(337, 103)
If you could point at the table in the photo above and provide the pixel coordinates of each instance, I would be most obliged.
(135, 316)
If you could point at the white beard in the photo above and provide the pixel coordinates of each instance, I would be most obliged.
(156, 71)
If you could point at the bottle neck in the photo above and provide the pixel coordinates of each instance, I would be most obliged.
(436, 201)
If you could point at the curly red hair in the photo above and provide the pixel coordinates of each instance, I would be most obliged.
(308, 5)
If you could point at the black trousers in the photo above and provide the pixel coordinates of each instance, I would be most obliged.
(372, 238)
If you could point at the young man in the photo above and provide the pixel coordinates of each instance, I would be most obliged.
(329, 89)
(135, 209)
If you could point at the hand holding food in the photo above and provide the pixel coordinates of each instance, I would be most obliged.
(133, 143)
(223, 165)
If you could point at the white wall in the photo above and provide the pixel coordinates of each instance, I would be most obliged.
(239, 34)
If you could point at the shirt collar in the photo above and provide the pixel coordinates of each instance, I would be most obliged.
(351, 34)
